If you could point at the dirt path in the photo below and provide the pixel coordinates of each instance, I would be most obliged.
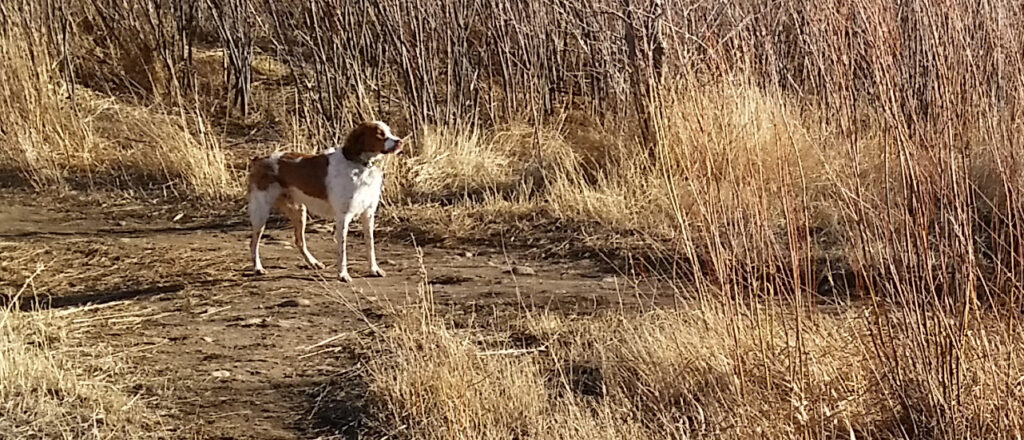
(226, 355)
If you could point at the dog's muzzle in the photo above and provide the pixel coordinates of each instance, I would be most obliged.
(393, 146)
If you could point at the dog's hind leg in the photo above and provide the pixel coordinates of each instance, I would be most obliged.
(297, 215)
(260, 203)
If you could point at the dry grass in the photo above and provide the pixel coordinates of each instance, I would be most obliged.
(42, 135)
(774, 152)
(55, 384)
(55, 138)
(144, 147)
(703, 372)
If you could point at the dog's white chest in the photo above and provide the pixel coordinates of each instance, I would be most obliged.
(367, 191)
(354, 189)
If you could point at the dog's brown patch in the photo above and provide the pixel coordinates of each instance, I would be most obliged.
(305, 172)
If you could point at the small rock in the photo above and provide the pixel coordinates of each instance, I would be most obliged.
(207, 339)
(295, 302)
(467, 254)
(390, 263)
(178, 217)
(122, 223)
(523, 271)
(608, 280)
(220, 374)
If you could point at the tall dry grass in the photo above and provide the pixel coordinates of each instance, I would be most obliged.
(773, 153)
(704, 372)
(804, 149)
(59, 134)
(42, 135)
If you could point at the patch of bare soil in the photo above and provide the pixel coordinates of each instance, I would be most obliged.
(231, 356)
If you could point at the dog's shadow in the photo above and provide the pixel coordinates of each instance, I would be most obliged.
(33, 303)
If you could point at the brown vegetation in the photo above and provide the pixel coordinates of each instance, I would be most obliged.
(764, 155)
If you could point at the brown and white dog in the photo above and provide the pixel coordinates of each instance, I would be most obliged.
(337, 184)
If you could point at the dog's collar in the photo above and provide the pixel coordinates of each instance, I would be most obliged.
(358, 160)
(361, 162)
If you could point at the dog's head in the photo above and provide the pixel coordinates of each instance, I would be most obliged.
(370, 140)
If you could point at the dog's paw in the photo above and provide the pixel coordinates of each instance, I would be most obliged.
(344, 277)
(316, 265)
(259, 271)
(378, 272)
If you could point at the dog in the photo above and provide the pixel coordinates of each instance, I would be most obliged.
(338, 184)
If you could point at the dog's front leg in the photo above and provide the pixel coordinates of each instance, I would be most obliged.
(341, 233)
(372, 256)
